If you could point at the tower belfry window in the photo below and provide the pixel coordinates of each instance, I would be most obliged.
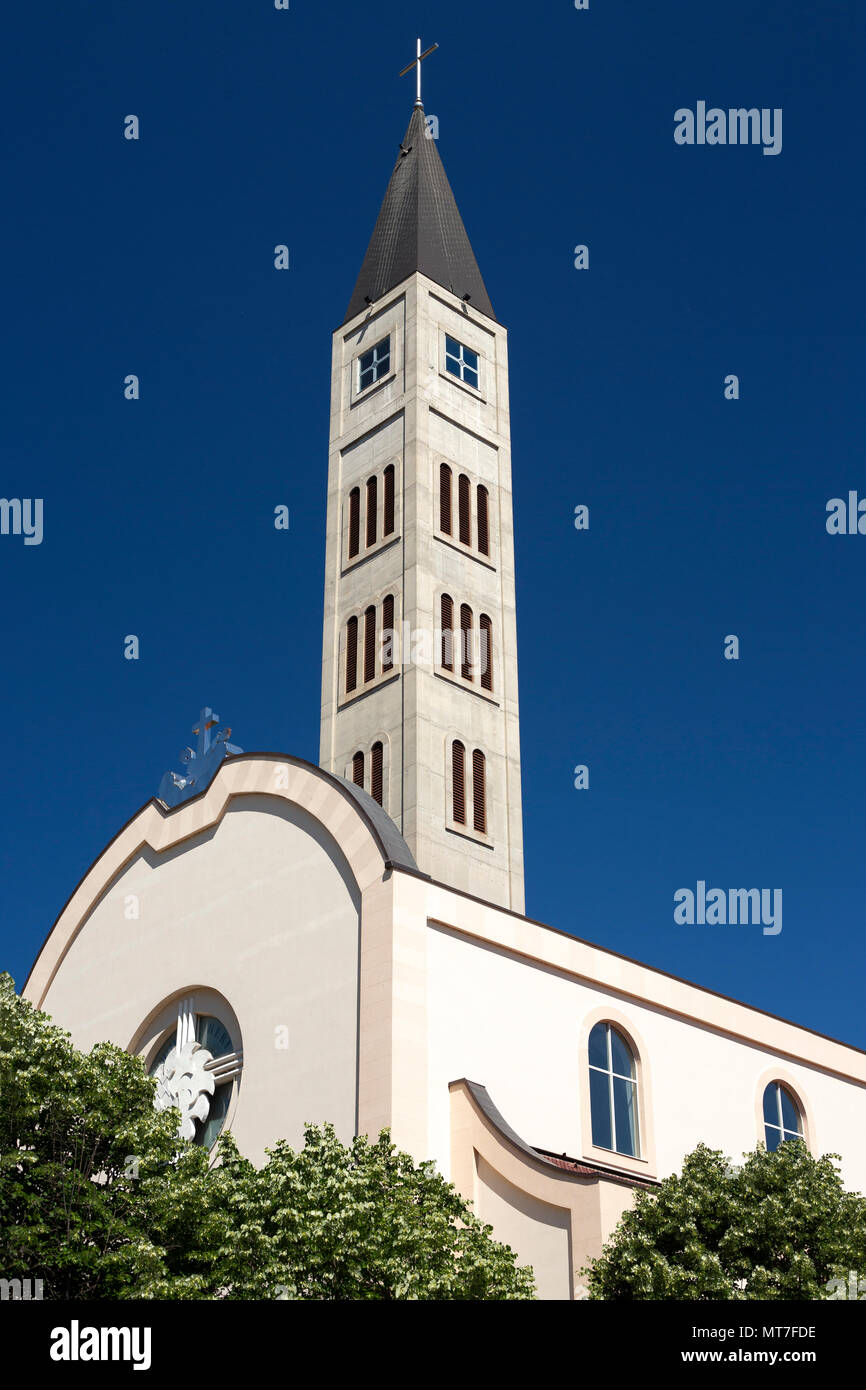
(445, 498)
(483, 520)
(464, 510)
(372, 509)
(354, 522)
(461, 362)
(388, 520)
(375, 364)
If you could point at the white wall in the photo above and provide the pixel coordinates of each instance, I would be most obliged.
(262, 909)
(515, 1027)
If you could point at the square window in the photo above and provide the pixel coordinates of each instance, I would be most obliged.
(461, 362)
(375, 364)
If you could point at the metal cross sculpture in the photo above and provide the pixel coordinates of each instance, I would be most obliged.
(201, 763)
(416, 63)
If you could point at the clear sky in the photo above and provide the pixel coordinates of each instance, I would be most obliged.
(707, 516)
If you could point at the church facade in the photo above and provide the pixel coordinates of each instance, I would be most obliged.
(282, 942)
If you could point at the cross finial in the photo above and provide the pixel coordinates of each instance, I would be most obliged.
(207, 721)
(416, 64)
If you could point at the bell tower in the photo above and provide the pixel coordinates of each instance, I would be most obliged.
(419, 670)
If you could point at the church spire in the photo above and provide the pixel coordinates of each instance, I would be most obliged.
(419, 228)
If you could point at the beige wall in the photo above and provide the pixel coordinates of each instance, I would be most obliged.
(508, 1004)
(260, 910)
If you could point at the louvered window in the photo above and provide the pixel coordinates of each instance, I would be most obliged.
(377, 762)
(351, 654)
(466, 641)
(483, 521)
(447, 614)
(479, 805)
(388, 635)
(388, 518)
(445, 498)
(369, 644)
(464, 519)
(485, 654)
(358, 769)
(354, 522)
(458, 783)
(372, 503)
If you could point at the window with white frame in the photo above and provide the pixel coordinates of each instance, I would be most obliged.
(375, 364)
(196, 1067)
(782, 1118)
(461, 362)
(613, 1092)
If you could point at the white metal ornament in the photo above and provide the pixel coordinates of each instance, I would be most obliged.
(183, 1080)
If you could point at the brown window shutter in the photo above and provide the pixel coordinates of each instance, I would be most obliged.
(377, 760)
(388, 522)
(466, 641)
(358, 769)
(369, 644)
(485, 655)
(483, 521)
(447, 625)
(479, 793)
(354, 522)
(445, 498)
(458, 783)
(351, 654)
(372, 505)
(389, 637)
(463, 509)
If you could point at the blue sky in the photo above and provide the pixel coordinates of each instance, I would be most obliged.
(707, 516)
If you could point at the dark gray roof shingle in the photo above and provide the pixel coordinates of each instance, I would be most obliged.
(420, 228)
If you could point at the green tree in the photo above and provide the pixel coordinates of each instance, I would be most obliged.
(100, 1199)
(357, 1221)
(95, 1195)
(780, 1227)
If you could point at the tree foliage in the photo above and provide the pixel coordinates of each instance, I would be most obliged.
(100, 1199)
(780, 1227)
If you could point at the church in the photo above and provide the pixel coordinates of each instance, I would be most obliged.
(284, 943)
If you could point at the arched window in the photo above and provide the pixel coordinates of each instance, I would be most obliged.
(613, 1091)
(354, 522)
(445, 498)
(388, 634)
(458, 783)
(483, 521)
(479, 792)
(388, 515)
(485, 655)
(466, 641)
(358, 769)
(782, 1118)
(377, 764)
(351, 654)
(464, 503)
(447, 616)
(205, 1119)
(369, 644)
(372, 503)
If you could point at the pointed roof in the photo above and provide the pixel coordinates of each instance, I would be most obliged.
(419, 228)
